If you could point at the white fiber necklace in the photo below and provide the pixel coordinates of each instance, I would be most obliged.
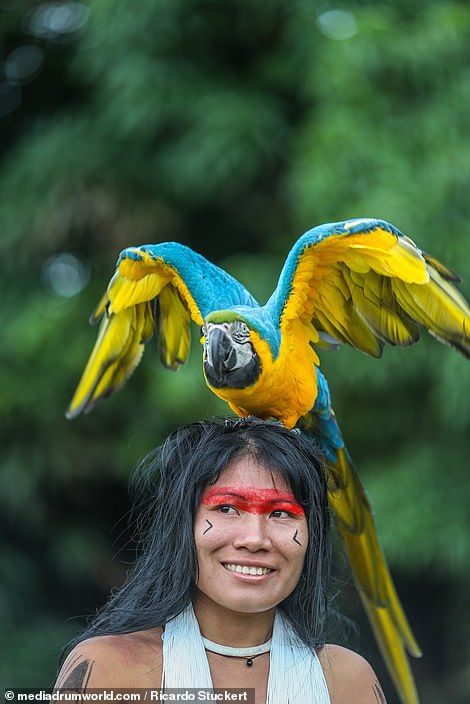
(247, 653)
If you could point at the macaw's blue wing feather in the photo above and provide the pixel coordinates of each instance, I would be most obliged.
(363, 283)
(157, 288)
(355, 523)
(203, 284)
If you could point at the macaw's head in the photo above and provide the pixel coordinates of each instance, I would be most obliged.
(230, 360)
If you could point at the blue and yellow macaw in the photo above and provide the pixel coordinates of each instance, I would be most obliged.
(360, 282)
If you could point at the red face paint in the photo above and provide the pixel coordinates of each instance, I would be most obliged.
(253, 500)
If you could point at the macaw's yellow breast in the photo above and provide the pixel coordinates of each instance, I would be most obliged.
(286, 388)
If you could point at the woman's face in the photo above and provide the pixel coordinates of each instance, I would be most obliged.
(251, 538)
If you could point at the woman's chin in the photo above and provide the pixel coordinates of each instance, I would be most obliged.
(239, 601)
(245, 606)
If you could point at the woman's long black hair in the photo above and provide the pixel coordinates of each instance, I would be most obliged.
(169, 483)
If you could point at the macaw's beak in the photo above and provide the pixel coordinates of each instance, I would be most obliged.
(228, 363)
(219, 352)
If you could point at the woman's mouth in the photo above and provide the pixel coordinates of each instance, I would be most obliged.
(247, 570)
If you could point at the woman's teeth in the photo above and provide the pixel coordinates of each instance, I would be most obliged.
(243, 569)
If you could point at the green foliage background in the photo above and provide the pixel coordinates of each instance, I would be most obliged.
(232, 127)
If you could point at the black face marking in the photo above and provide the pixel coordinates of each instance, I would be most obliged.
(76, 677)
(379, 695)
(295, 539)
(210, 526)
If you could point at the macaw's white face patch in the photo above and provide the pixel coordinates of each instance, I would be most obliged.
(230, 360)
(251, 538)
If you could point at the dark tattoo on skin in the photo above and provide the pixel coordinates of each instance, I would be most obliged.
(77, 676)
(295, 539)
(379, 695)
(210, 526)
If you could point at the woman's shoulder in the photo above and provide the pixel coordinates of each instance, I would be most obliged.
(349, 677)
(124, 660)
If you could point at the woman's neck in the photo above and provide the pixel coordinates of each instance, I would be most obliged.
(232, 628)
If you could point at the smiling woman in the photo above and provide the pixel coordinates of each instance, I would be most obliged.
(230, 588)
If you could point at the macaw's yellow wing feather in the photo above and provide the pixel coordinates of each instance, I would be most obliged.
(130, 288)
(173, 328)
(373, 299)
(365, 284)
(440, 308)
(356, 526)
(444, 271)
(337, 316)
(144, 296)
(129, 356)
(98, 312)
(116, 354)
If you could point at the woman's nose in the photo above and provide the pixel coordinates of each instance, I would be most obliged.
(252, 533)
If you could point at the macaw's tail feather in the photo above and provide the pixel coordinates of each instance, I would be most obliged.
(356, 525)
(117, 352)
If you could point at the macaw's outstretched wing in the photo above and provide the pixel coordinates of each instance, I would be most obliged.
(363, 283)
(355, 523)
(156, 288)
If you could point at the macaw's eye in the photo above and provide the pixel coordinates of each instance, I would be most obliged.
(240, 331)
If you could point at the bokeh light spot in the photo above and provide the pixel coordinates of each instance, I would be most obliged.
(65, 274)
(337, 24)
(52, 20)
(23, 63)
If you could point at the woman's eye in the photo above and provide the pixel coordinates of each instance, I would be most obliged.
(225, 508)
(280, 514)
